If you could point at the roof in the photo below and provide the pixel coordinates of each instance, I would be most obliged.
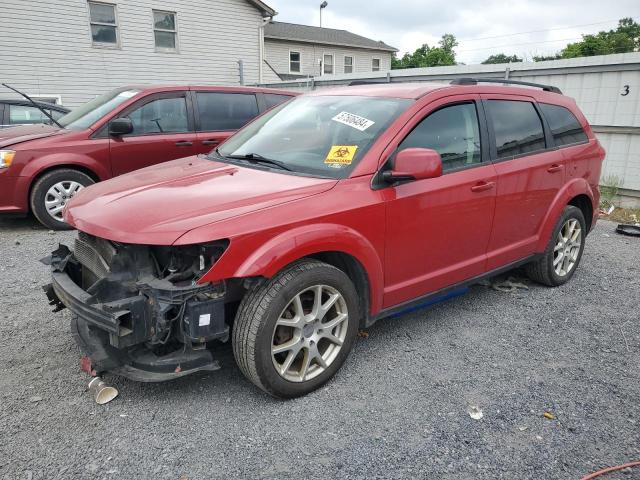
(327, 36)
(391, 90)
(265, 9)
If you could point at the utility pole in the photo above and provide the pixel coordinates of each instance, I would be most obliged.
(322, 6)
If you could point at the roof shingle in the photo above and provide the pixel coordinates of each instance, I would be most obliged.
(327, 36)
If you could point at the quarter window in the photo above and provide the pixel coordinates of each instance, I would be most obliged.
(348, 64)
(225, 111)
(565, 127)
(453, 132)
(327, 64)
(104, 26)
(375, 64)
(164, 115)
(294, 62)
(517, 126)
(164, 30)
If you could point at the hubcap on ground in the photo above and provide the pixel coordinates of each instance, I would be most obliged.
(309, 333)
(568, 243)
(58, 196)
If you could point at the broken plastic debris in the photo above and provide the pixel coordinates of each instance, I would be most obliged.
(509, 285)
(475, 412)
(549, 415)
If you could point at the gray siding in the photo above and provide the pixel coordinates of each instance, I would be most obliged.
(46, 49)
(277, 54)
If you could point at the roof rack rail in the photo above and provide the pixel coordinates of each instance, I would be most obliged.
(354, 83)
(475, 81)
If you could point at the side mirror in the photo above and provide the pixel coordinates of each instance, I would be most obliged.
(120, 126)
(414, 164)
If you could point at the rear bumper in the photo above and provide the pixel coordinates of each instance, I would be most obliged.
(14, 192)
(122, 336)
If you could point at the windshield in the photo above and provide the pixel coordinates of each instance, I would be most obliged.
(92, 111)
(323, 135)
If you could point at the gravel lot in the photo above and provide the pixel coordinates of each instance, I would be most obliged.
(397, 409)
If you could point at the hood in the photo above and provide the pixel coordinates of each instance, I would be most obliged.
(23, 133)
(159, 204)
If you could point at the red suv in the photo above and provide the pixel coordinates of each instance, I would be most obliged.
(43, 166)
(320, 217)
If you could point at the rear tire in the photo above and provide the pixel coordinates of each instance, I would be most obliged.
(288, 343)
(52, 191)
(564, 251)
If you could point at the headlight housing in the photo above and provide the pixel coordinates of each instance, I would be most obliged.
(6, 158)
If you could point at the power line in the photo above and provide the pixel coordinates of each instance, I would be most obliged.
(520, 44)
(536, 31)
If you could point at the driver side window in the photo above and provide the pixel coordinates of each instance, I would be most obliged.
(164, 115)
(453, 132)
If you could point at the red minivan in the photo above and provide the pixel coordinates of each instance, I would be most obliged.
(43, 166)
(322, 216)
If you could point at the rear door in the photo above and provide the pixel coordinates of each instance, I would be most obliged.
(220, 114)
(438, 229)
(163, 130)
(530, 174)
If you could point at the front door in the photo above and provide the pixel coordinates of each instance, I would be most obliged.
(438, 229)
(163, 130)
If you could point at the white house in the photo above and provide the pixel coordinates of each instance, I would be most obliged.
(71, 50)
(297, 51)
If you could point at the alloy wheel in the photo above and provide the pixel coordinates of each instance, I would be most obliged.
(58, 195)
(309, 333)
(567, 249)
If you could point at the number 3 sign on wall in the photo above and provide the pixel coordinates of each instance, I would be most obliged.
(625, 91)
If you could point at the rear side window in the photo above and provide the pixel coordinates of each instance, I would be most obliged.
(225, 111)
(453, 132)
(273, 99)
(565, 127)
(517, 127)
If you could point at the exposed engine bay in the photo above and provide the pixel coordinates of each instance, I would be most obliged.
(139, 310)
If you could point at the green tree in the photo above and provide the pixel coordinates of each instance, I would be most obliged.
(625, 38)
(502, 58)
(426, 56)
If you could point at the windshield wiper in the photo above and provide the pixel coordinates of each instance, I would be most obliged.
(257, 158)
(34, 104)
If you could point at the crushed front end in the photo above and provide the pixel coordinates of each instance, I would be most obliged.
(139, 311)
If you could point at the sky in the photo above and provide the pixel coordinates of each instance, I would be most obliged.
(525, 28)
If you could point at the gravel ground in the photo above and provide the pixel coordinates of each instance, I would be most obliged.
(397, 409)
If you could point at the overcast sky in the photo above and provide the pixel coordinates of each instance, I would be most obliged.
(407, 24)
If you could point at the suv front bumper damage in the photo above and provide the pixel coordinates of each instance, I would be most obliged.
(133, 324)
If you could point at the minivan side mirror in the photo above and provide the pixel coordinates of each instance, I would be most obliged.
(414, 164)
(120, 126)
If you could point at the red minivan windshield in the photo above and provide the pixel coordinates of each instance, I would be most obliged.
(92, 111)
(317, 135)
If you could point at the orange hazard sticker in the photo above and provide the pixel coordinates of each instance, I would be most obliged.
(341, 154)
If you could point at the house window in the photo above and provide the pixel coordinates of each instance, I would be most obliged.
(104, 25)
(294, 62)
(327, 64)
(348, 64)
(164, 30)
(375, 64)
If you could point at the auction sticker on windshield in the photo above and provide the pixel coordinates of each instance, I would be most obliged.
(353, 120)
(341, 154)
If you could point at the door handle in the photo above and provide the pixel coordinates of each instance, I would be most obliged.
(184, 143)
(210, 142)
(554, 168)
(482, 186)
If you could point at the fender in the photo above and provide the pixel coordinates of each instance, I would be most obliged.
(575, 187)
(34, 167)
(268, 258)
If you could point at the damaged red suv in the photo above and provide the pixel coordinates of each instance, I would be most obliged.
(323, 216)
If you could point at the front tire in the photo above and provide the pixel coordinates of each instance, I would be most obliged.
(52, 191)
(293, 332)
(564, 251)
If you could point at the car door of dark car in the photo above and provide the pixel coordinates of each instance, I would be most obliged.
(220, 114)
(163, 130)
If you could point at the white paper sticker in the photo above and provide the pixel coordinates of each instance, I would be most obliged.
(355, 121)
(204, 320)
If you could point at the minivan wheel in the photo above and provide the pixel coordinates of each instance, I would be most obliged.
(293, 332)
(52, 192)
(564, 251)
